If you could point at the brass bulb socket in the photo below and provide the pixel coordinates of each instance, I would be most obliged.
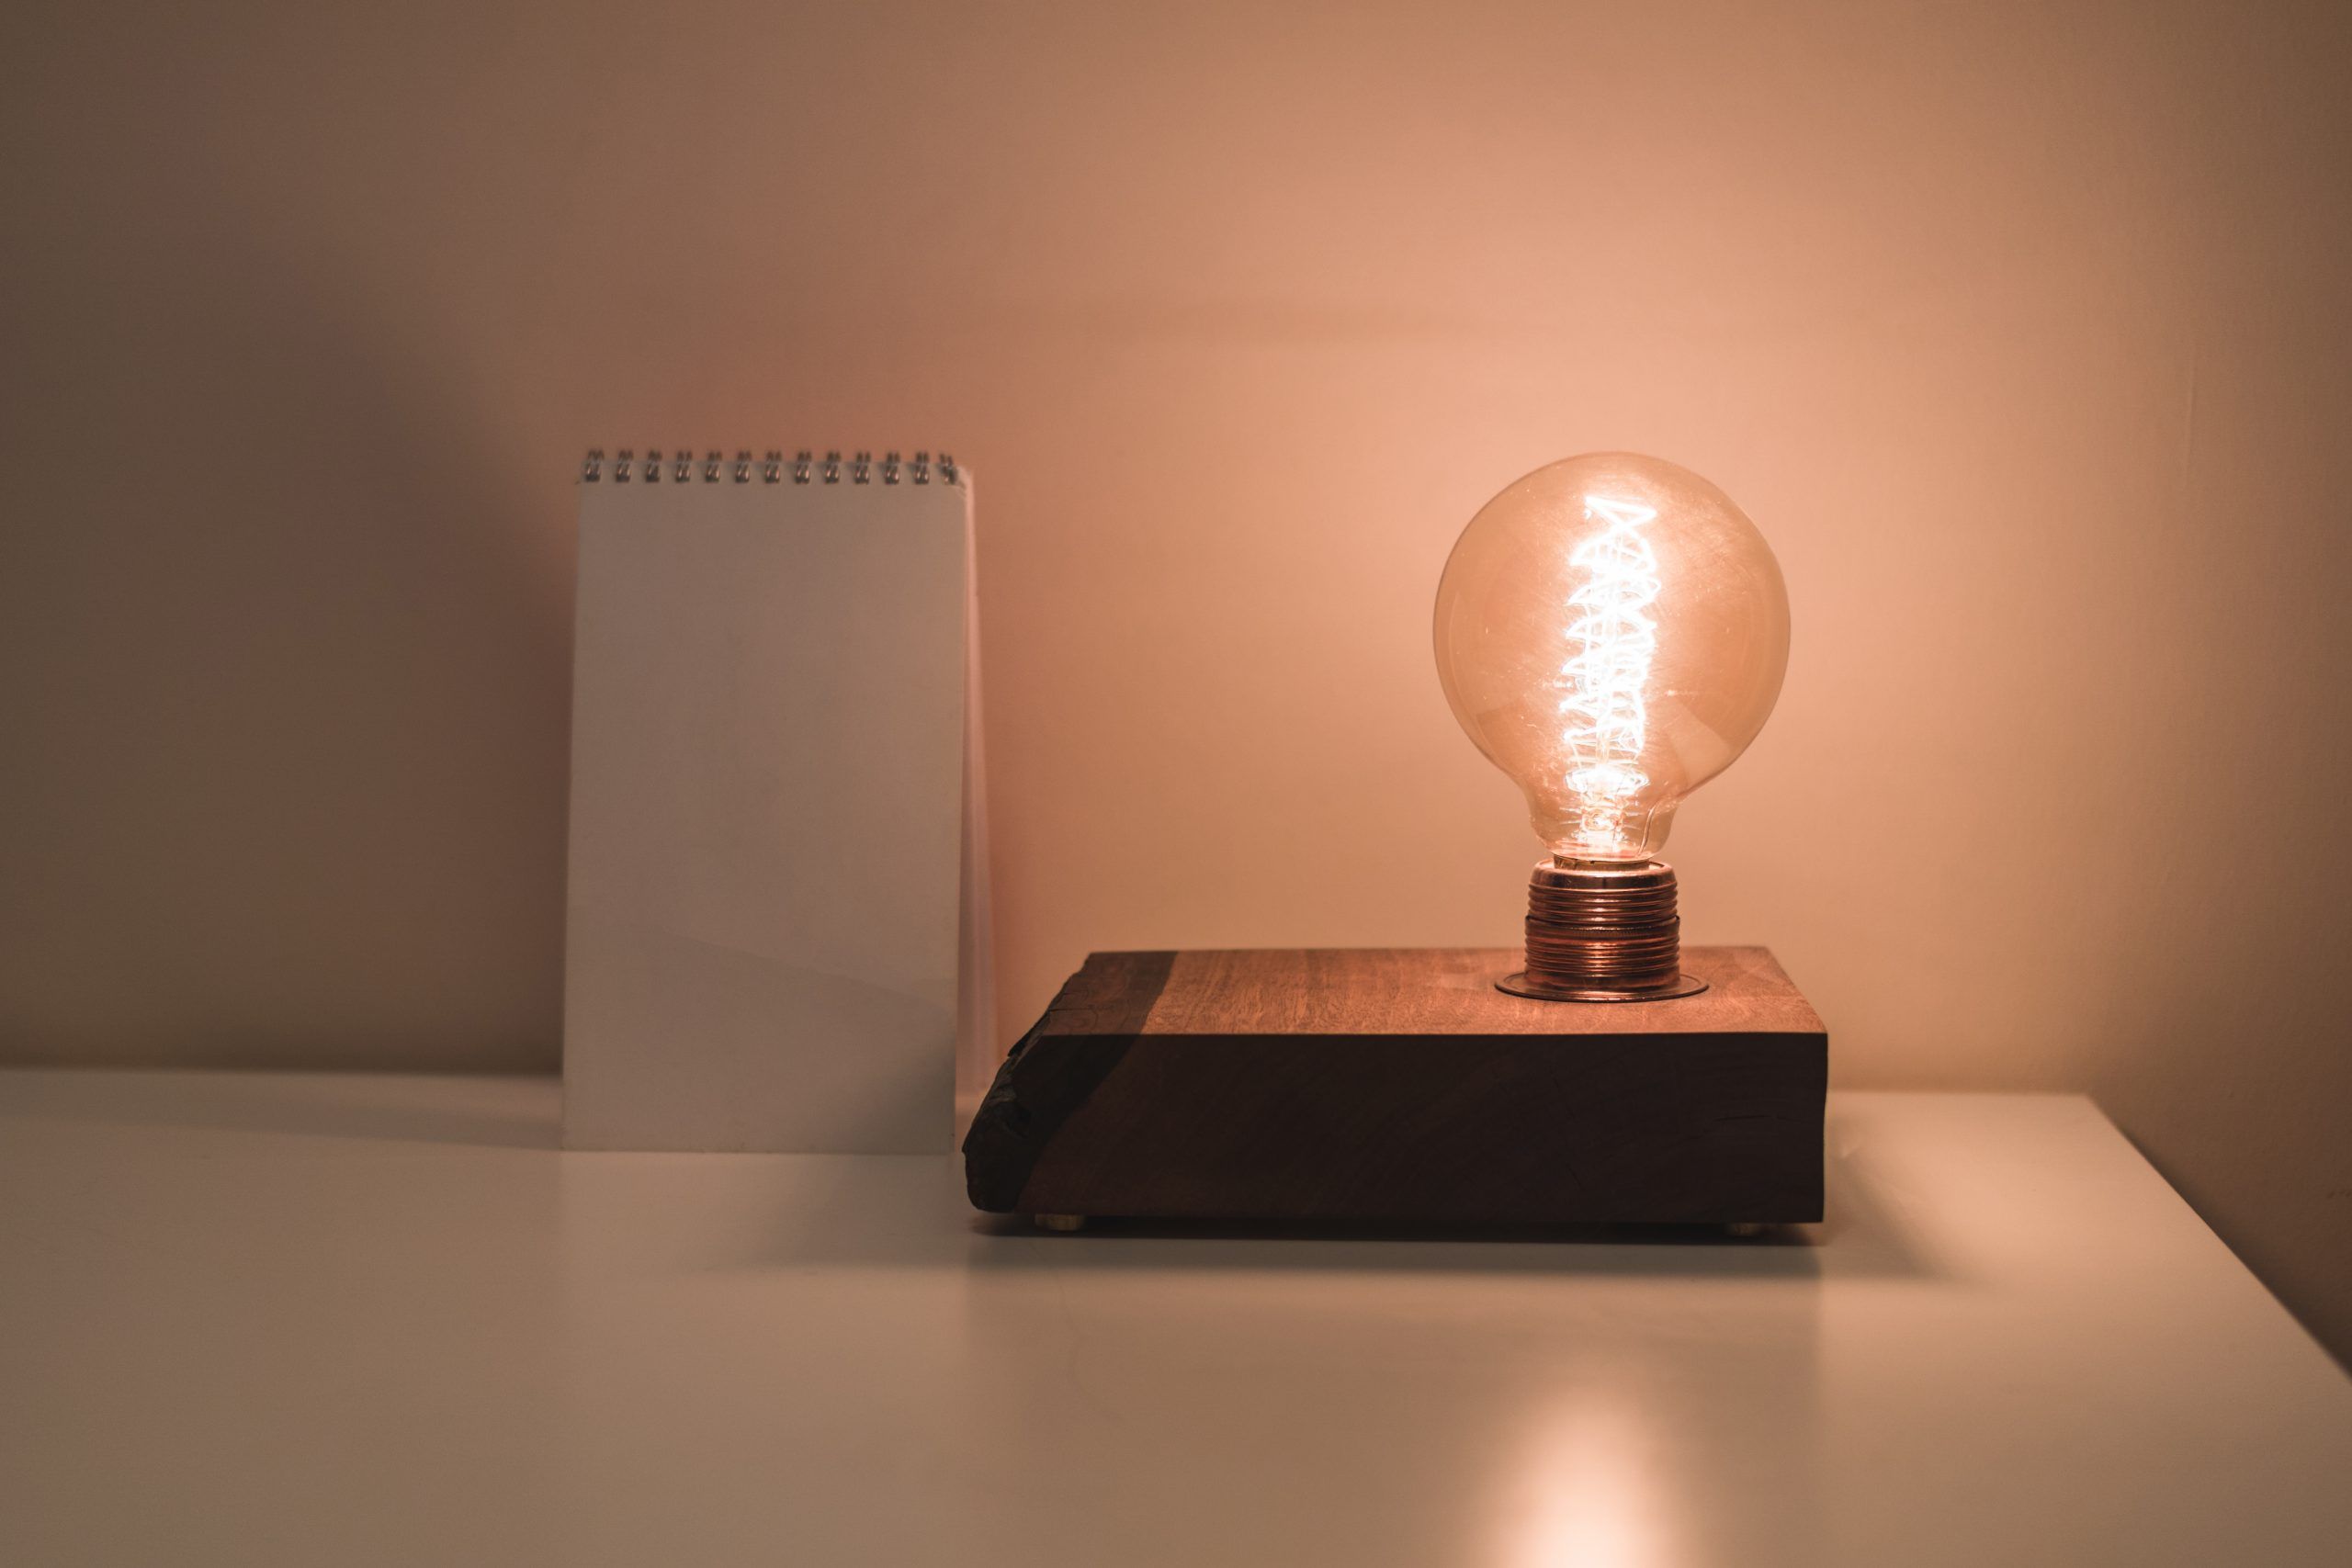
(1602, 931)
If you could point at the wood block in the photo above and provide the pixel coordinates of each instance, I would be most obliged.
(1398, 1084)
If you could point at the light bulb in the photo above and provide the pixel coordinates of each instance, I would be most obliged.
(1611, 632)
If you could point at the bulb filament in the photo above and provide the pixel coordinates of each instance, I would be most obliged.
(1614, 638)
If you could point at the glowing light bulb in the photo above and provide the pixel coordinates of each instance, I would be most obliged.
(1611, 632)
(1614, 641)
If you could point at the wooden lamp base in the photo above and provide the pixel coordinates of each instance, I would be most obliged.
(1400, 1086)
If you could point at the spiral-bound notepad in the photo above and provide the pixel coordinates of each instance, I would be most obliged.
(776, 913)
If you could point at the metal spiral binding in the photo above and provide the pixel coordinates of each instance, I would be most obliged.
(860, 468)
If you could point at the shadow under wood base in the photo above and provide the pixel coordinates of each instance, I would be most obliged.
(1398, 1085)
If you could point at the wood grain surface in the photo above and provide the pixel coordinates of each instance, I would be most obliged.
(1431, 990)
(1398, 1084)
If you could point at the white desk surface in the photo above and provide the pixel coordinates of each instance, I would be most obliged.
(345, 1320)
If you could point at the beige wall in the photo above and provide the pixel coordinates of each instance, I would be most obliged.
(2022, 332)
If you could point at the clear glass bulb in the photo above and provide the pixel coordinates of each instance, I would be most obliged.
(1611, 632)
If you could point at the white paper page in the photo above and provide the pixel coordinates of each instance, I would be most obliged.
(767, 836)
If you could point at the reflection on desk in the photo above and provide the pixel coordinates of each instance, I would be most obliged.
(297, 1319)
